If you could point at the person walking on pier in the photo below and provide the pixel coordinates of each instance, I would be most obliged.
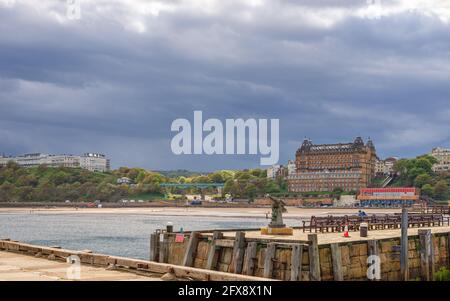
(361, 213)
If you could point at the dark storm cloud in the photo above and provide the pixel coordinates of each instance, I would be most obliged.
(116, 79)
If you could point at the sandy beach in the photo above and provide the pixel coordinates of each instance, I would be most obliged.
(292, 212)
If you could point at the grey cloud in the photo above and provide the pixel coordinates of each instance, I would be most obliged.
(99, 85)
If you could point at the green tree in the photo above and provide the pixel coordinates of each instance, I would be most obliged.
(429, 158)
(272, 187)
(59, 178)
(427, 190)
(6, 190)
(250, 191)
(414, 172)
(141, 176)
(441, 190)
(229, 187)
(422, 179)
(216, 177)
(424, 163)
(401, 166)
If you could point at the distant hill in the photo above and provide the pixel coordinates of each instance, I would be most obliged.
(180, 173)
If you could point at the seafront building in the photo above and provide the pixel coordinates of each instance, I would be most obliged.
(325, 167)
(386, 166)
(273, 171)
(95, 162)
(442, 155)
(388, 197)
(284, 171)
(89, 161)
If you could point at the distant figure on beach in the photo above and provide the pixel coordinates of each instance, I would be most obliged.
(361, 213)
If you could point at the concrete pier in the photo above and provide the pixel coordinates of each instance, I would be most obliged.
(21, 261)
(18, 267)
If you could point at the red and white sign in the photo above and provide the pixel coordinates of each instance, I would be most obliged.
(179, 238)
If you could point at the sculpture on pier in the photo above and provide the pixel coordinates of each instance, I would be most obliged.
(278, 207)
(276, 225)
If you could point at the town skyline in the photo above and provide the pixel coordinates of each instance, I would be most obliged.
(113, 166)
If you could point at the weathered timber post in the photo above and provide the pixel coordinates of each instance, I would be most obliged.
(404, 266)
(249, 259)
(164, 247)
(213, 253)
(337, 262)
(425, 252)
(314, 260)
(268, 260)
(296, 262)
(154, 238)
(448, 248)
(191, 250)
(432, 258)
(238, 252)
(372, 249)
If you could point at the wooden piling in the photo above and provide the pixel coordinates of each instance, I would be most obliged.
(296, 262)
(314, 260)
(191, 250)
(249, 259)
(154, 247)
(213, 253)
(425, 251)
(448, 249)
(404, 266)
(432, 258)
(238, 252)
(337, 262)
(164, 248)
(372, 247)
(268, 260)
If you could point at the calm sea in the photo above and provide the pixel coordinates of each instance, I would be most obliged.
(113, 234)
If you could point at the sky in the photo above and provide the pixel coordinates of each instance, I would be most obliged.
(114, 79)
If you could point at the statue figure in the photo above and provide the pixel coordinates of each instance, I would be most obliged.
(278, 207)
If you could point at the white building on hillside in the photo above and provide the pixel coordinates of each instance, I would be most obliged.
(273, 171)
(442, 155)
(281, 170)
(94, 162)
(386, 166)
(291, 168)
(89, 161)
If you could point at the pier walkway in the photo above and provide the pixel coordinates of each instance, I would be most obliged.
(18, 267)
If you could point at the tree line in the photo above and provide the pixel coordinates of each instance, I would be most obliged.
(418, 173)
(49, 184)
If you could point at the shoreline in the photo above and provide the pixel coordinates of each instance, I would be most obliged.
(292, 212)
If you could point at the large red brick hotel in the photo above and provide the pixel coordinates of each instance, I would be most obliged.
(325, 167)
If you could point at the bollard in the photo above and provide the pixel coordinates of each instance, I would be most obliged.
(169, 227)
(363, 229)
